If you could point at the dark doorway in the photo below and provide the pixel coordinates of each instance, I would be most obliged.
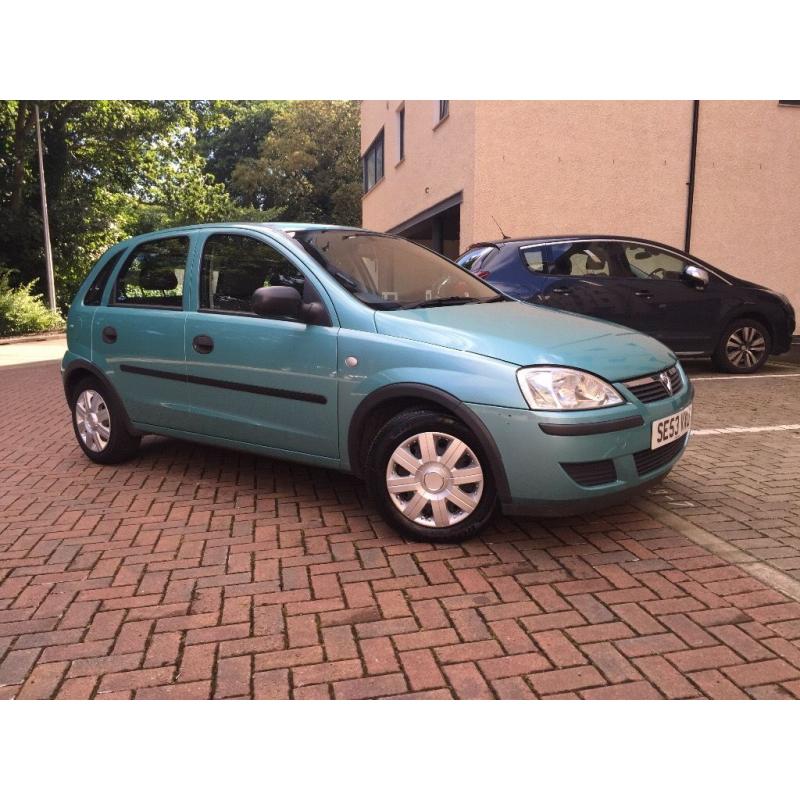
(438, 228)
(441, 232)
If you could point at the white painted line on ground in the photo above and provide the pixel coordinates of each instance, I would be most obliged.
(758, 429)
(744, 377)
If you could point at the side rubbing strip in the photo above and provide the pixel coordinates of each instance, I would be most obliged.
(286, 394)
(590, 428)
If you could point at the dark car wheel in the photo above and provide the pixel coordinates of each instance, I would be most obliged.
(743, 347)
(97, 421)
(430, 477)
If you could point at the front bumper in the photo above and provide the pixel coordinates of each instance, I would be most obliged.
(533, 459)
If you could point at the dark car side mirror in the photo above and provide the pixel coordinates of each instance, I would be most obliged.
(696, 276)
(285, 301)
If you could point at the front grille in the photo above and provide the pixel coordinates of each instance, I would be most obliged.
(651, 460)
(651, 388)
(591, 473)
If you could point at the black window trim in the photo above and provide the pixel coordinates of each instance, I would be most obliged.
(251, 314)
(369, 151)
(641, 242)
(103, 277)
(129, 257)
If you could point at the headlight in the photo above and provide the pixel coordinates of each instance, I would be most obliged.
(563, 389)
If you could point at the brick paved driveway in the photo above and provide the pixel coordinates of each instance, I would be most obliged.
(195, 572)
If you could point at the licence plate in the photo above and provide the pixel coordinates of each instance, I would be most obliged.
(670, 428)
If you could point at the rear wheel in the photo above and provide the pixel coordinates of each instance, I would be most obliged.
(97, 420)
(430, 478)
(743, 347)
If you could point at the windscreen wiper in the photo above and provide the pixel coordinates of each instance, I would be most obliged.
(443, 301)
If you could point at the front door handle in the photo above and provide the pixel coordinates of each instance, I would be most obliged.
(203, 344)
(109, 334)
(643, 293)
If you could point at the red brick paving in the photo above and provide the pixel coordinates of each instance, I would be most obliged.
(194, 572)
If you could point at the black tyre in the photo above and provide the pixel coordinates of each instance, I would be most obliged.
(98, 422)
(430, 478)
(744, 347)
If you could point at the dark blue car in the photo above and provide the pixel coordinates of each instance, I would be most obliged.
(689, 305)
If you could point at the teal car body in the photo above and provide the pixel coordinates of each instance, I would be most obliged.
(316, 393)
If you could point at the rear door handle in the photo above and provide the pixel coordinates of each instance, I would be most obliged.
(560, 290)
(643, 293)
(203, 344)
(109, 334)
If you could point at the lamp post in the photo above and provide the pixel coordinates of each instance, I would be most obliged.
(48, 251)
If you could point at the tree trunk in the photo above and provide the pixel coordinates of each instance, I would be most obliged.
(22, 127)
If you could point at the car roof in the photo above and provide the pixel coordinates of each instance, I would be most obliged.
(565, 237)
(286, 228)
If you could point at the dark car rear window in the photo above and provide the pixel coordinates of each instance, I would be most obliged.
(94, 294)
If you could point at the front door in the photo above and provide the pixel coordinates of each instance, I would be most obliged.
(667, 307)
(270, 382)
(137, 338)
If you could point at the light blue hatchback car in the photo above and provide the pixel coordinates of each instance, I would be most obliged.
(363, 352)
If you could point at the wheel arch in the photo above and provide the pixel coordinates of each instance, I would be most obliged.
(744, 313)
(79, 369)
(384, 403)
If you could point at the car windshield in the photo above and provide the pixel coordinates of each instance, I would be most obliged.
(387, 272)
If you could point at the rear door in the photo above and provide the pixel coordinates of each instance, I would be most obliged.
(271, 382)
(579, 276)
(137, 336)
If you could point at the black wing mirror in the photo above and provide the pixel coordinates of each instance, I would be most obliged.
(285, 301)
(696, 276)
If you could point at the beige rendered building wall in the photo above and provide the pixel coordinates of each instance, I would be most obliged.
(439, 159)
(622, 167)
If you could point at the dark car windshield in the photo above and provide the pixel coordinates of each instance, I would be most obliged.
(388, 272)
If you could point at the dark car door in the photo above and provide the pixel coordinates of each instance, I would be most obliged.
(665, 305)
(579, 276)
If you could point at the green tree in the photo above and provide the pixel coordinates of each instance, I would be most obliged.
(308, 164)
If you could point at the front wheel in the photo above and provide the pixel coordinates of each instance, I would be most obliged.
(430, 478)
(743, 347)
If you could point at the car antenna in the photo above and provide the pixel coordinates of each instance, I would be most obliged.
(498, 226)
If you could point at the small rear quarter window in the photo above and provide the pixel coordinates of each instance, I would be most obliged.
(94, 294)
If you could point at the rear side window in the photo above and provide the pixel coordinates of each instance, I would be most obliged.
(234, 266)
(153, 274)
(94, 294)
(596, 259)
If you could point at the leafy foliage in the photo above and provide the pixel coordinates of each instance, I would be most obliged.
(115, 168)
(308, 164)
(21, 311)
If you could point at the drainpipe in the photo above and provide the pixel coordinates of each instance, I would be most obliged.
(692, 165)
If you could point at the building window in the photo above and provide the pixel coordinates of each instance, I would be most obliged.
(789, 102)
(401, 132)
(444, 109)
(372, 163)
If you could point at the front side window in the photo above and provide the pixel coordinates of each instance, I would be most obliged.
(234, 266)
(387, 272)
(372, 163)
(652, 262)
(153, 274)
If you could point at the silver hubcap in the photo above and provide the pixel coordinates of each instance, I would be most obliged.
(745, 347)
(93, 420)
(434, 479)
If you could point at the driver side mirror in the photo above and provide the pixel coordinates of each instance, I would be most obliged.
(696, 276)
(285, 301)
